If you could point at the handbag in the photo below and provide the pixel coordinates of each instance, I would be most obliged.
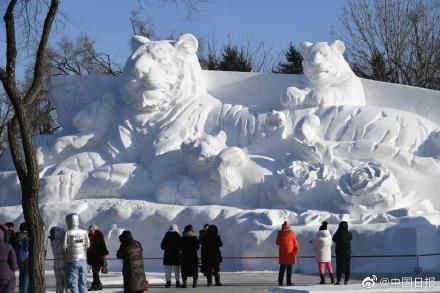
(104, 268)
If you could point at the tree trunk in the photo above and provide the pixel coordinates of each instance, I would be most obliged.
(29, 182)
(19, 133)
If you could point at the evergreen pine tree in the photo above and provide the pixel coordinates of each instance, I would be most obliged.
(292, 64)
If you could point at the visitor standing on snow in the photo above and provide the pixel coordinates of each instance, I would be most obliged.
(8, 264)
(21, 245)
(56, 236)
(211, 255)
(76, 243)
(189, 247)
(133, 273)
(10, 233)
(342, 238)
(96, 255)
(171, 243)
(288, 249)
(202, 234)
(323, 248)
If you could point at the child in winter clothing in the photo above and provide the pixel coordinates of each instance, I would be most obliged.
(171, 244)
(288, 249)
(56, 236)
(323, 248)
(342, 238)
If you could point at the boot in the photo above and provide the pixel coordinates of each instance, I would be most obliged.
(209, 280)
(177, 284)
(93, 287)
(194, 282)
(99, 287)
(168, 284)
(280, 279)
(289, 280)
(322, 279)
(332, 279)
(183, 283)
(217, 280)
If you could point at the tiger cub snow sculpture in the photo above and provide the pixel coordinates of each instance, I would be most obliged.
(331, 80)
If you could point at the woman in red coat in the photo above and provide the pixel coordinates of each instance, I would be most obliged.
(288, 249)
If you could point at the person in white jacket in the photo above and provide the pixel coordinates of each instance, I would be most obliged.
(323, 248)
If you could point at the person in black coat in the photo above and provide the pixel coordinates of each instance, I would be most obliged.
(96, 255)
(202, 234)
(133, 272)
(211, 255)
(190, 245)
(342, 238)
(171, 244)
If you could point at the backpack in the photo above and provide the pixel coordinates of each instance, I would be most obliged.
(22, 247)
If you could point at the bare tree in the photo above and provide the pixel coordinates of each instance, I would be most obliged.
(6, 113)
(191, 7)
(396, 41)
(19, 133)
(142, 27)
(79, 58)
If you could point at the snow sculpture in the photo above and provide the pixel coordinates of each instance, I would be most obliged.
(234, 179)
(167, 142)
(157, 133)
(331, 80)
(301, 176)
(370, 187)
(91, 123)
(200, 153)
(431, 147)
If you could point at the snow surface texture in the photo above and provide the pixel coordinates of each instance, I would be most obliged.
(330, 147)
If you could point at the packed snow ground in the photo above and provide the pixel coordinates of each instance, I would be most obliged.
(248, 282)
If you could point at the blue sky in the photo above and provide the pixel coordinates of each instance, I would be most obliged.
(275, 23)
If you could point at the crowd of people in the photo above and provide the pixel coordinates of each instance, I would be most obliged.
(74, 249)
(322, 243)
(181, 254)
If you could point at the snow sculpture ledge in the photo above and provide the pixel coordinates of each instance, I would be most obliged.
(329, 147)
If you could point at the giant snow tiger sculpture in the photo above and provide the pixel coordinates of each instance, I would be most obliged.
(126, 145)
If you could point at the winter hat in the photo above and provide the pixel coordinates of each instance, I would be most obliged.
(285, 226)
(126, 236)
(188, 228)
(56, 233)
(93, 227)
(174, 228)
(23, 227)
(323, 226)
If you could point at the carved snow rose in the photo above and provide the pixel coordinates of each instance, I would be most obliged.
(371, 186)
(302, 175)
